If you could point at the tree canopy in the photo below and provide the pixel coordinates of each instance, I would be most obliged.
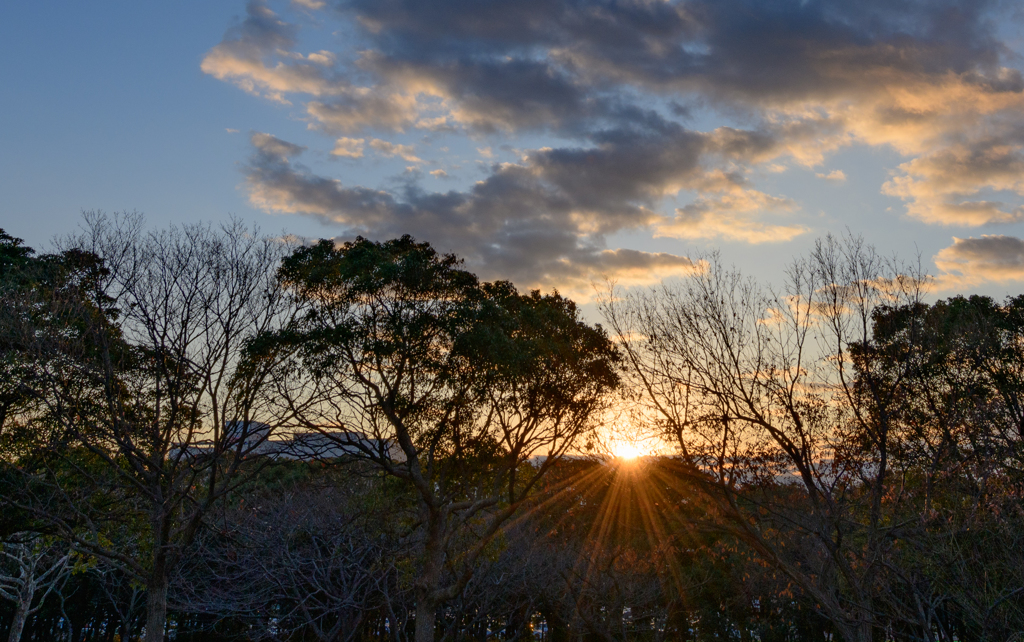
(470, 391)
(210, 432)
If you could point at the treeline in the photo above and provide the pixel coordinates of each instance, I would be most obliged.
(323, 553)
(842, 460)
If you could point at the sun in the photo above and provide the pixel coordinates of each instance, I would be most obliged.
(625, 450)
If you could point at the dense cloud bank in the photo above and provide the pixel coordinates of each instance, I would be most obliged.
(624, 91)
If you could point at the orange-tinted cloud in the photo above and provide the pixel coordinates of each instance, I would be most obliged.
(971, 261)
(615, 88)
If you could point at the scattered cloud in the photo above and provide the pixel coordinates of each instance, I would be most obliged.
(512, 225)
(358, 111)
(246, 57)
(592, 95)
(631, 267)
(272, 147)
(439, 173)
(406, 152)
(731, 215)
(970, 261)
(944, 187)
(837, 175)
(348, 147)
(322, 58)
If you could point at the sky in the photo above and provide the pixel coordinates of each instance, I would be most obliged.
(554, 143)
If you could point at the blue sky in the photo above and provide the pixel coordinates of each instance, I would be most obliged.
(556, 144)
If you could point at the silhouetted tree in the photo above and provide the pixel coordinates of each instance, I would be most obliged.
(470, 392)
(31, 567)
(141, 420)
(784, 417)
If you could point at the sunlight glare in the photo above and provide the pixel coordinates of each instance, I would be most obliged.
(625, 450)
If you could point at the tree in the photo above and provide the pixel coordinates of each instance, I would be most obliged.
(40, 291)
(125, 597)
(960, 568)
(30, 565)
(13, 257)
(13, 252)
(469, 392)
(142, 420)
(784, 416)
(315, 554)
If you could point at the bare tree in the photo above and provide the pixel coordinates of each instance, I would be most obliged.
(125, 595)
(31, 567)
(782, 415)
(316, 558)
(151, 421)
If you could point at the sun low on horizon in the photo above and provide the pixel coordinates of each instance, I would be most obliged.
(475, 319)
(625, 450)
(631, 444)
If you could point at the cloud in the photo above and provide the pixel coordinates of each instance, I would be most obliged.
(272, 147)
(589, 94)
(915, 76)
(837, 175)
(377, 108)
(631, 267)
(406, 152)
(494, 95)
(348, 147)
(776, 51)
(971, 261)
(439, 173)
(731, 215)
(246, 58)
(943, 187)
(886, 73)
(512, 225)
(554, 202)
(322, 58)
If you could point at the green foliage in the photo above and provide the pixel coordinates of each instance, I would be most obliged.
(52, 302)
(433, 348)
(13, 253)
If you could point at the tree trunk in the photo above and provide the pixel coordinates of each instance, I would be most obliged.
(395, 627)
(156, 608)
(126, 630)
(18, 624)
(558, 628)
(859, 632)
(430, 577)
(866, 626)
(425, 614)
